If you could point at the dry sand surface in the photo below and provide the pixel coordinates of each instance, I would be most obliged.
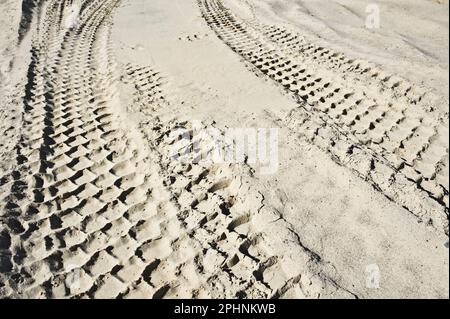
(94, 205)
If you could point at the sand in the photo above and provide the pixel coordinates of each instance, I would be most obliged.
(94, 95)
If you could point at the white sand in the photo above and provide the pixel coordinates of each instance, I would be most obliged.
(93, 205)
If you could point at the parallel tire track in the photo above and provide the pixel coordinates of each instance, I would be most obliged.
(383, 128)
(77, 173)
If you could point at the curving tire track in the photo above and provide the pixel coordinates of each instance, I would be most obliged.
(383, 128)
(222, 244)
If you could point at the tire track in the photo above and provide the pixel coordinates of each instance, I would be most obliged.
(387, 131)
(29, 9)
(77, 173)
(223, 244)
